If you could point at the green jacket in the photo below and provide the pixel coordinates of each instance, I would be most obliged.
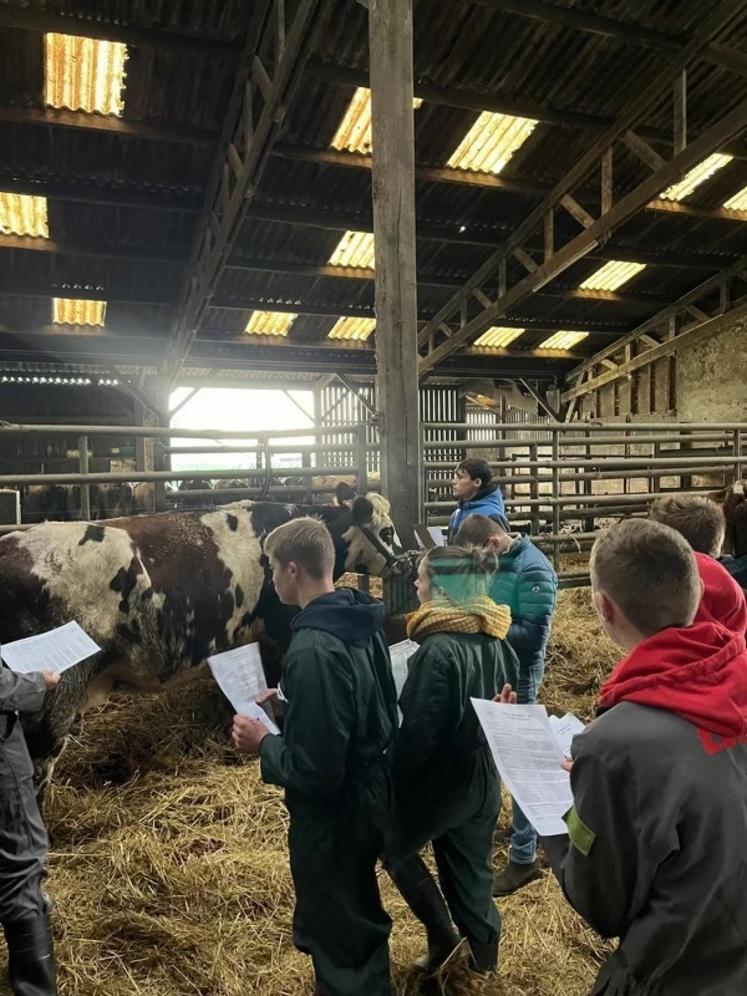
(340, 712)
(440, 734)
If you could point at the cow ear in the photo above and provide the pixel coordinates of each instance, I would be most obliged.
(362, 511)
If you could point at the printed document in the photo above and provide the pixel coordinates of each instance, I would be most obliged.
(565, 729)
(528, 759)
(241, 678)
(56, 650)
(399, 654)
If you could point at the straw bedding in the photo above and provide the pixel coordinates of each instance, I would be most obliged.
(169, 870)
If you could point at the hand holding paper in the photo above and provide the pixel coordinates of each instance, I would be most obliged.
(56, 650)
(529, 760)
(242, 680)
(249, 732)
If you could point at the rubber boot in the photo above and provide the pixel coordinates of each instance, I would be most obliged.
(515, 876)
(31, 965)
(424, 898)
(484, 957)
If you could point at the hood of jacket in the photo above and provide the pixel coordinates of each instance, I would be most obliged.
(723, 599)
(698, 672)
(352, 616)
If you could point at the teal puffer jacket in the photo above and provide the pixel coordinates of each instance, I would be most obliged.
(527, 583)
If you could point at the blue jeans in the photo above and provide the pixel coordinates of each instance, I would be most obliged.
(523, 849)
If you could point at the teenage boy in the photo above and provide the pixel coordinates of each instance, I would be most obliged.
(476, 491)
(332, 760)
(659, 818)
(526, 582)
(703, 524)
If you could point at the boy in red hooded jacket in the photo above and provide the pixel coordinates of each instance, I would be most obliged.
(658, 828)
(701, 521)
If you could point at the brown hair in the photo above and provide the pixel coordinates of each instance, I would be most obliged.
(477, 530)
(307, 543)
(700, 520)
(459, 573)
(649, 571)
(477, 468)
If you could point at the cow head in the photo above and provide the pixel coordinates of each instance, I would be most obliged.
(371, 539)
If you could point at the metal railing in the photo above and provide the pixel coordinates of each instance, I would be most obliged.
(265, 446)
(568, 478)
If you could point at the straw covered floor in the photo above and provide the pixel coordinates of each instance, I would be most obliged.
(169, 871)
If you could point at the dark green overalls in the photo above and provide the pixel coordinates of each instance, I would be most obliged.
(332, 760)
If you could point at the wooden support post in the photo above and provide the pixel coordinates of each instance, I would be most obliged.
(85, 489)
(361, 457)
(534, 515)
(393, 187)
(680, 112)
(556, 494)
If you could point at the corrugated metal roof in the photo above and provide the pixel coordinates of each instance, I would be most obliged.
(354, 131)
(23, 214)
(738, 202)
(357, 329)
(491, 142)
(84, 74)
(612, 275)
(697, 175)
(498, 336)
(563, 340)
(355, 249)
(270, 323)
(67, 311)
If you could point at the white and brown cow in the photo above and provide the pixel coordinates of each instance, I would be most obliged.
(159, 593)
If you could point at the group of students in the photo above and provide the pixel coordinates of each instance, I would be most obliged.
(655, 851)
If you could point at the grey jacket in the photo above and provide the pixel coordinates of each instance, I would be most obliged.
(21, 692)
(659, 854)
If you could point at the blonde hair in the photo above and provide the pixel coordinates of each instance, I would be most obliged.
(305, 542)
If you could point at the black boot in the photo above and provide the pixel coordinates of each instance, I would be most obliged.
(423, 896)
(31, 967)
(484, 957)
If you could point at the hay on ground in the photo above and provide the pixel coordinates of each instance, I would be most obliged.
(169, 869)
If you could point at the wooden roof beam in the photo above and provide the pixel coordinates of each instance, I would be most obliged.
(468, 178)
(701, 327)
(338, 310)
(254, 113)
(424, 279)
(97, 191)
(652, 86)
(667, 317)
(303, 216)
(28, 243)
(291, 214)
(52, 117)
(474, 100)
(16, 16)
(598, 24)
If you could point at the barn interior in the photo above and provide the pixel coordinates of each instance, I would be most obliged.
(505, 228)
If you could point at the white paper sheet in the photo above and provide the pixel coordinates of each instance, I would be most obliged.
(528, 758)
(399, 654)
(241, 678)
(436, 534)
(56, 650)
(565, 729)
